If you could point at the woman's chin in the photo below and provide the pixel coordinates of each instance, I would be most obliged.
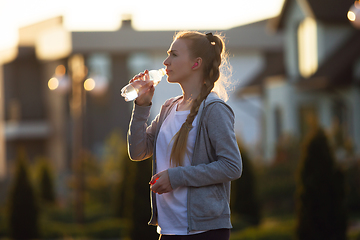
(170, 80)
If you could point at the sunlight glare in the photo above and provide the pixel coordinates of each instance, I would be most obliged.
(53, 83)
(351, 16)
(60, 70)
(106, 15)
(354, 14)
(307, 47)
(89, 84)
(357, 4)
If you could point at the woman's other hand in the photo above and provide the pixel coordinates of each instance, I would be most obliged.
(160, 183)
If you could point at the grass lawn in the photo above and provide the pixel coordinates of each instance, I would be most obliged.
(283, 229)
(270, 229)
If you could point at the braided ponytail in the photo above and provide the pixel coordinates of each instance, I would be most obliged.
(211, 49)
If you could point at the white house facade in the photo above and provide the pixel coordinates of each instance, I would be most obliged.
(321, 77)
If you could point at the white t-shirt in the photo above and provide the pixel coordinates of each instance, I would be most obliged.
(172, 206)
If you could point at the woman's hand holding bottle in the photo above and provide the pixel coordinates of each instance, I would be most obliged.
(148, 89)
(142, 83)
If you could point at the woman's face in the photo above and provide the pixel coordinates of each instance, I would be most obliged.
(178, 63)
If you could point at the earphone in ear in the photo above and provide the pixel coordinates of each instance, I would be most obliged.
(195, 64)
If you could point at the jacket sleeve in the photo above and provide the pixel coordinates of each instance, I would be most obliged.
(140, 136)
(225, 162)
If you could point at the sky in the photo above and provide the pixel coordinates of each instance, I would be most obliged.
(90, 15)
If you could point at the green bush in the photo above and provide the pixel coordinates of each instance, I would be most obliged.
(140, 214)
(125, 191)
(102, 229)
(276, 181)
(276, 184)
(134, 199)
(254, 234)
(275, 231)
(353, 187)
(244, 199)
(132, 193)
(46, 182)
(22, 206)
(3, 224)
(320, 195)
(354, 235)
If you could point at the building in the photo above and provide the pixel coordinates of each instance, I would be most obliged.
(44, 121)
(319, 77)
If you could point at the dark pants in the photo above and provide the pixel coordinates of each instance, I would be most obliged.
(217, 234)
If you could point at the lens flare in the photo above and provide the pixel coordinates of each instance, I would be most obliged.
(351, 16)
(53, 83)
(357, 4)
(60, 70)
(89, 84)
(354, 14)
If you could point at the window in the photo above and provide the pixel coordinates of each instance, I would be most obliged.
(307, 46)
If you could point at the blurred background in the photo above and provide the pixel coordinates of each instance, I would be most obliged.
(295, 91)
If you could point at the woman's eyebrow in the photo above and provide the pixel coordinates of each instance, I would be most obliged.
(171, 51)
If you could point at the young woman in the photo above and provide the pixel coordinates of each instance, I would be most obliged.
(192, 141)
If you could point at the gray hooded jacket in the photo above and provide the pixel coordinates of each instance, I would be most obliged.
(215, 162)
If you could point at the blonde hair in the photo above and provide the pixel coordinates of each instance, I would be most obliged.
(211, 49)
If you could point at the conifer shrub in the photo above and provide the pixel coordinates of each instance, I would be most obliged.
(125, 188)
(320, 193)
(353, 188)
(22, 206)
(276, 181)
(133, 198)
(244, 201)
(46, 182)
(141, 211)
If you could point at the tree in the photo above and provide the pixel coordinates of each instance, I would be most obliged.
(244, 202)
(23, 210)
(141, 205)
(46, 182)
(353, 186)
(320, 193)
(125, 190)
(133, 198)
(131, 191)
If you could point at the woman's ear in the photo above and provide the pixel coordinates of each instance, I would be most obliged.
(197, 63)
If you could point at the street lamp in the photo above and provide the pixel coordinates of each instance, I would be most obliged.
(60, 81)
(76, 82)
(354, 14)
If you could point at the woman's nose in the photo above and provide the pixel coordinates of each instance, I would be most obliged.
(166, 62)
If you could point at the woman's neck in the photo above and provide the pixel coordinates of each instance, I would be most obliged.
(184, 104)
(189, 95)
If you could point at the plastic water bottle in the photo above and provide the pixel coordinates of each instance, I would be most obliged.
(135, 89)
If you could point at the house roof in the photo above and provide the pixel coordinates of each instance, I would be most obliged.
(250, 36)
(337, 69)
(328, 11)
(28, 34)
(274, 66)
(255, 35)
